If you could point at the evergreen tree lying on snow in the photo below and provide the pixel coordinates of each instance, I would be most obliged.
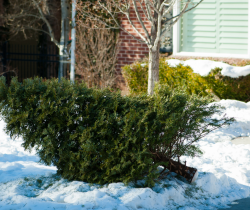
(98, 136)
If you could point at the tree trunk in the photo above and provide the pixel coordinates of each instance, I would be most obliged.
(153, 69)
(63, 39)
(189, 173)
(154, 54)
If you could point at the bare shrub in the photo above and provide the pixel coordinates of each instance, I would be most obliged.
(96, 52)
(23, 16)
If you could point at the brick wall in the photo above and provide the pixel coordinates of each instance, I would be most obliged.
(130, 49)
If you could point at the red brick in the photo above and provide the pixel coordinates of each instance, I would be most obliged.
(133, 40)
(134, 33)
(140, 56)
(123, 62)
(143, 53)
(137, 45)
(130, 48)
(133, 48)
(119, 65)
(129, 62)
(138, 25)
(125, 55)
(130, 59)
(128, 56)
(141, 48)
(124, 43)
(134, 19)
(126, 50)
(122, 36)
(131, 30)
(130, 52)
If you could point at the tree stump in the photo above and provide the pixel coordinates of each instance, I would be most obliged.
(189, 173)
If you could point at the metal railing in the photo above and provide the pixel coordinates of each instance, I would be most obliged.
(27, 61)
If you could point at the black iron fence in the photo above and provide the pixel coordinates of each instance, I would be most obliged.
(26, 61)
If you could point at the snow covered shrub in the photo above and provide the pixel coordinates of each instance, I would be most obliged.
(226, 87)
(136, 77)
(99, 136)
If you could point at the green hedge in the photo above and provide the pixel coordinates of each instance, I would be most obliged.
(136, 77)
(99, 136)
(224, 87)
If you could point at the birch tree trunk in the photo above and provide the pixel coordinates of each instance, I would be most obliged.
(153, 69)
(154, 54)
(63, 39)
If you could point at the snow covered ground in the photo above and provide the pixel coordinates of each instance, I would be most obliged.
(224, 176)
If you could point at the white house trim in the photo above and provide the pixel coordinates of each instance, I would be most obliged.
(176, 29)
(177, 33)
(248, 28)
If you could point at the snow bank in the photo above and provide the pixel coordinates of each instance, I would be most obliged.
(224, 176)
(203, 67)
(15, 162)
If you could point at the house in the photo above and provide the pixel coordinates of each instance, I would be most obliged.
(130, 49)
(216, 28)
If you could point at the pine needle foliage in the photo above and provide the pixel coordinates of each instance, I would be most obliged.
(99, 136)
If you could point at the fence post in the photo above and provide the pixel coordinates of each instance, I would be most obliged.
(4, 59)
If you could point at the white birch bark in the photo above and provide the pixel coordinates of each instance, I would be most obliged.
(153, 69)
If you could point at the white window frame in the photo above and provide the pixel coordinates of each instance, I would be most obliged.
(176, 39)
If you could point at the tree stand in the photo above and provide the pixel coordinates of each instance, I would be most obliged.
(189, 173)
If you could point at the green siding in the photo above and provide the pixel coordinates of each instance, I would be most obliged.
(216, 26)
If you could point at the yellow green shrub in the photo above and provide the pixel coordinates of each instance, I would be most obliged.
(226, 87)
(136, 77)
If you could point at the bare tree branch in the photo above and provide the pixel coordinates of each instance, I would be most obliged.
(179, 16)
(50, 17)
(170, 7)
(168, 20)
(47, 24)
(148, 10)
(96, 54)
(26, 14)
(153, 6)
(155, 12)
(144, 12)
(142, 24)
(95, 17)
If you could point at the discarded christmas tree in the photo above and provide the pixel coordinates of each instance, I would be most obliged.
(99, 136)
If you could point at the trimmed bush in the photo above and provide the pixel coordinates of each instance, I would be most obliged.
(224, 87)
(99, 136)
(136, 77)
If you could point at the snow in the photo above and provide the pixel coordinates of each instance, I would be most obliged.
(203, 67)
(224, 176)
